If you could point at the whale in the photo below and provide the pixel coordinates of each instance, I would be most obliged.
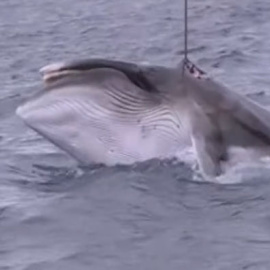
(114, 112)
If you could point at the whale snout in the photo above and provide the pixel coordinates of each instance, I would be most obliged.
(32, 112)
(60, 121)
(25, 112)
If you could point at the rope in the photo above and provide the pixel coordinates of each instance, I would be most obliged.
(186, 31)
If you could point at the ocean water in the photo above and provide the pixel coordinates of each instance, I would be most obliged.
(55, 214)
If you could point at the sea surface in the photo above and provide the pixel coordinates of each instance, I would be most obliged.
(57, 215)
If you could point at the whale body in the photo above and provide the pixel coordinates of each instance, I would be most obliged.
(114, 112)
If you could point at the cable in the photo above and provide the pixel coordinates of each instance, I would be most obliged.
(186, 32)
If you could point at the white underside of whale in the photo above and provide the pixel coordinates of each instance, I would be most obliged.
(93, 133)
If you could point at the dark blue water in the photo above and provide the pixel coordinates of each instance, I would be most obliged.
(57, 215)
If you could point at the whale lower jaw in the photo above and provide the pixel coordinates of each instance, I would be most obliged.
(92, 133)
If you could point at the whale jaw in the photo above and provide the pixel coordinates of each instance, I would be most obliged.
(112, 123)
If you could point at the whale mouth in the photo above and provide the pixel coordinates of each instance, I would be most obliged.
(56, 71)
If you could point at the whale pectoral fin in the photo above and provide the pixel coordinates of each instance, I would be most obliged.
(211, 95)
(208, 143)
(215, 136)
(242, 123)
(207, 156)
